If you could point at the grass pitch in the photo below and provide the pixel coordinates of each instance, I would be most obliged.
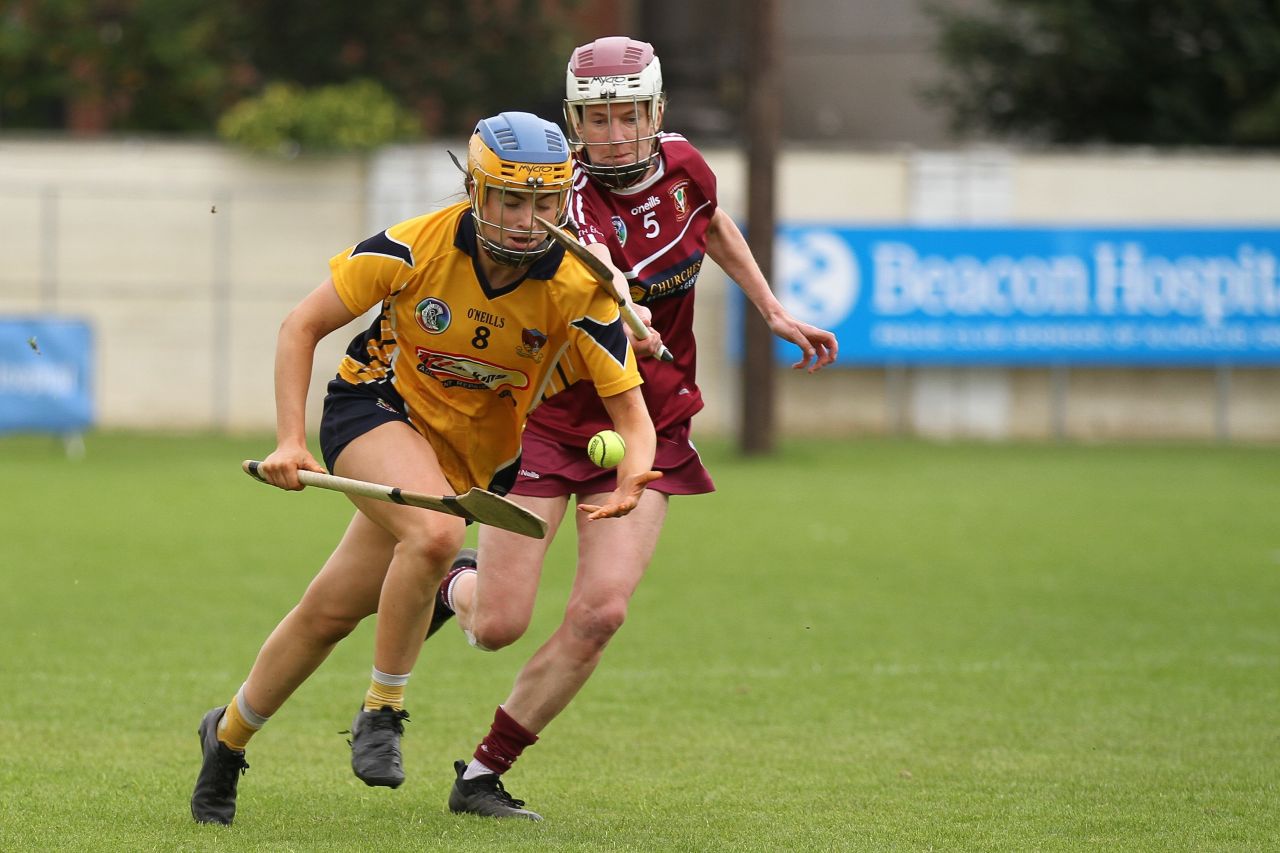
(867, 645)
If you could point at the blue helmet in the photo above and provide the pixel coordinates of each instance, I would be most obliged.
(523, 154)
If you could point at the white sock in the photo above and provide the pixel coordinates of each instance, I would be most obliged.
(390, 680)
(475, 768)
(250, 716)
(448, 592)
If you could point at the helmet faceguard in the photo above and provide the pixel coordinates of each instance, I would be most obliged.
(517, 160)
(625, 76)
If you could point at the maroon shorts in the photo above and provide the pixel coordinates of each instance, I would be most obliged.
(549, 469)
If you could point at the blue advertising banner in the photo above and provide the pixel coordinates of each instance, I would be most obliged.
(45, 375)
(1035, 296)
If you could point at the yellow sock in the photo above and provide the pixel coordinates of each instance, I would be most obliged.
(385, 689)
(234, 730)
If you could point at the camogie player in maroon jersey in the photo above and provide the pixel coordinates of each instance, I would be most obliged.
(644, 201)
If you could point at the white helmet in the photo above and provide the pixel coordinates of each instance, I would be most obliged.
(616, 71)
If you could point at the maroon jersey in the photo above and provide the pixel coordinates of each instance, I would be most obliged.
(657, 235)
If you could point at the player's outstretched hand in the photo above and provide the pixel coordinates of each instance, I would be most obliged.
(623, 500)
(817, 345)
(281, 468)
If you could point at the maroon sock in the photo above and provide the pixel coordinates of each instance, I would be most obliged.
(504, 743)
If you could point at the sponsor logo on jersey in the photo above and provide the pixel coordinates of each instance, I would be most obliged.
(460, 371)
(680, 195)
(485, 317)
(649, 204)
(530, 475)
(531, 343)
(620, 228)
(672, 283)
(433, 315)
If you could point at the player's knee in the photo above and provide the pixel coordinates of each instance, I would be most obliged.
(492, 632)
(328, 625)
(432, 548)
(475, 643)
(596, 624)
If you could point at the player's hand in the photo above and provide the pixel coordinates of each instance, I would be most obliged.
(816, 345)
(281, 468)
(624, 498)
(648, 347)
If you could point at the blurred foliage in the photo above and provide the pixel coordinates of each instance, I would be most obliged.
(286, 119)
(162, 65)
(451, 62)
(178, 65)
(1157, 72)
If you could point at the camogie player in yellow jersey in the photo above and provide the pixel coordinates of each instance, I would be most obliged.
(481, 317)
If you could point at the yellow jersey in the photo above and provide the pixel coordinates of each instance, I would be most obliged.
(470, 360)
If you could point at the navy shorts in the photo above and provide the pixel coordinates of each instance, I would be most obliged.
(352, 410)
(549, 469)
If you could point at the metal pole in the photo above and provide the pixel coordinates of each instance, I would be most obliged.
(221, 293)
(895, 392)
(1222, 403)
(1059, 387)
(763, 120)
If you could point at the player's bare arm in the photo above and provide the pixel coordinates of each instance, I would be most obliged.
(318, 314)
(728, 248)
(630, 420)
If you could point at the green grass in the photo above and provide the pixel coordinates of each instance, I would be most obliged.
(866, 645)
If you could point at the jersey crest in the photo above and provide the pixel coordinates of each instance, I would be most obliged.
(680, 196)
(433, 315)
(531, 343)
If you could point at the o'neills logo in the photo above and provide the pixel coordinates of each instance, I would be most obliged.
(649, 204)
(460, 371)
(680, 195)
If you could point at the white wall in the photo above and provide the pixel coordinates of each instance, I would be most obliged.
(186, 301)
(185, 257)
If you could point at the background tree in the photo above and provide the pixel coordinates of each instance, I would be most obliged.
(449, 61)
(177, 65)
(92, 65)
(1158, 72)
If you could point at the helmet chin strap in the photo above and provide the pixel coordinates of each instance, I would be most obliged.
(509, 257)
(620, 177)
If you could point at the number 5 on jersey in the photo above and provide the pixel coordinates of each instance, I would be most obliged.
(651, 227)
